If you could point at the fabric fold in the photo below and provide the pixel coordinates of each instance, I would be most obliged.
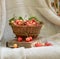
(8, 53)
(3, 17)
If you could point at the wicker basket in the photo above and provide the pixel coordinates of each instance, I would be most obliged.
(25, 30)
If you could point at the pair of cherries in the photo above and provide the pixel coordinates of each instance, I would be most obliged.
(43, 44)
(27, 39)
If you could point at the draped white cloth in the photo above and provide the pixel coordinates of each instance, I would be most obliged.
(25, 8)
(31, 53)
(46, 52)
(45, 11)
(7, 53)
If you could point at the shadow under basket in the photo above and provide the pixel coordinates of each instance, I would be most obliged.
(24, 30)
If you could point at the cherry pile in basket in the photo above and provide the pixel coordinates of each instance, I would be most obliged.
(32, 21)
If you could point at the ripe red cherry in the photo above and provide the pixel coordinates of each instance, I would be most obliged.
(15, 24)
(48, 44)
(34, 23)
(19, 39)
(38, 44)
(28, 39)
(17, 21)
(33, 20)
(27, 23)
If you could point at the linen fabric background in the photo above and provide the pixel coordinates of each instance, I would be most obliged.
(26, 8)
(2, 17)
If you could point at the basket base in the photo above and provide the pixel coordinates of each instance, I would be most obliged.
(34, 37)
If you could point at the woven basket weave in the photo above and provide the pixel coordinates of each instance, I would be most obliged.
(25, 30)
